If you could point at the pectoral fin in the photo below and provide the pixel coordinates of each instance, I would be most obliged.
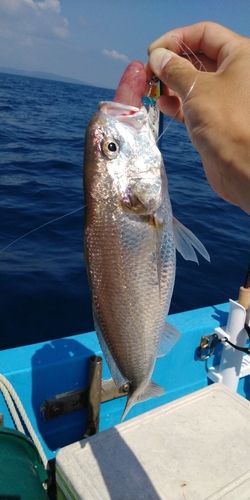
(186, 242)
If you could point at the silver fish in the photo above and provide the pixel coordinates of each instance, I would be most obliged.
(130, 245)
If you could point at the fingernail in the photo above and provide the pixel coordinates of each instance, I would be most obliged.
(158, 58)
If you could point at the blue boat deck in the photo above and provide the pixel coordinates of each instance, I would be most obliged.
(41, 371)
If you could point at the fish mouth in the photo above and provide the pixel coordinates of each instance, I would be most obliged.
(130, 115)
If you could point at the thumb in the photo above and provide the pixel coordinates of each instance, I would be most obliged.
(174, 71)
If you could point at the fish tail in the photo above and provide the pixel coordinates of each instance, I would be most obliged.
(137, 396)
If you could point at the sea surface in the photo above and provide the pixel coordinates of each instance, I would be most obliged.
(44, 288)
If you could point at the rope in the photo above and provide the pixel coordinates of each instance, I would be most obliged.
(11, 407)
(11, 397)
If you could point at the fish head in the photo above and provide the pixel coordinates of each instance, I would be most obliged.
(122, 161)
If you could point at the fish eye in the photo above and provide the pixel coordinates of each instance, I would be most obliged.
(110, 148)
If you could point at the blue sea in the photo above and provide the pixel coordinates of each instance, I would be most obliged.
(44, 288)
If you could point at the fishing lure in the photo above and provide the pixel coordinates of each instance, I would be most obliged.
(155, 117)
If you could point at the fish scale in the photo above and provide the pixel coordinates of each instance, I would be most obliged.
(112, 269)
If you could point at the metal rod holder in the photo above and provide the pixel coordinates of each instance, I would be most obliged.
(86, 397)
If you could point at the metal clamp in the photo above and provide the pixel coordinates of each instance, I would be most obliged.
(209, 342)
(207, 346)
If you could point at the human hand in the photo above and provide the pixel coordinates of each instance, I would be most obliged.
(214, 105)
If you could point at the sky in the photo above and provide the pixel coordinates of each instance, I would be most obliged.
(94, 40)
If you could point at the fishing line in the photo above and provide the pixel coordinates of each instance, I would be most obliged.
(201, 66)
(43, 225)
(190, 52)
(187, 54)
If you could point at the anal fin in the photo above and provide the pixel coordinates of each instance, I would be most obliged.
(169, 338)
(118, 378)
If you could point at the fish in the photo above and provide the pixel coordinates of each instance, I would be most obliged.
(130, 240)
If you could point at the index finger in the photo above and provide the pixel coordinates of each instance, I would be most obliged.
(206, 37)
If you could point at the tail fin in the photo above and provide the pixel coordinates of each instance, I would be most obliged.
(151, 391)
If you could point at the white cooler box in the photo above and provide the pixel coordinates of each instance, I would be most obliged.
(195, 448)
